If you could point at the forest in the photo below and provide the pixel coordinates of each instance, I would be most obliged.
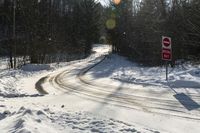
(139, 27)
(46, 31)
(43, 30)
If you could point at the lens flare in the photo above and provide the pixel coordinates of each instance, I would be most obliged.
(116, 1)
(110, 24)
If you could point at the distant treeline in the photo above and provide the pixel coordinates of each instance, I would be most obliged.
(141, 24)
(48, 27)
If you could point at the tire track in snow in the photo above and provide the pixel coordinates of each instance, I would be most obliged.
(147, 104)
(81, 86)
(152, 106)
(39, 87)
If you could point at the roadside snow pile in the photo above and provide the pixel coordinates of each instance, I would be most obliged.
(10, 79)
(8, 82)
(26, 121)
(85, 122)
(186, 77)
(119, 68)
(3, 63)
(39, 121)
(195, 72)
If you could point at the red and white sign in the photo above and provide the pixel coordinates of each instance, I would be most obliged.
(166, 48)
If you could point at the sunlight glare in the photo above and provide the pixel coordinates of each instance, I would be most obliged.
(116, 1)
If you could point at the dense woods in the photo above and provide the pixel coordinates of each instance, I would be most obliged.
(141, 24)
(55, 30)
(48, 30)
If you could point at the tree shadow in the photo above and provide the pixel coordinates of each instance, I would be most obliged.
(106, 67)
(108, 98)
(185, 84)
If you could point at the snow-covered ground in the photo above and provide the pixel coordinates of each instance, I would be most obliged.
(4, 63)
(26, 120)
(185, 77)
(23, 109)
(18, 82)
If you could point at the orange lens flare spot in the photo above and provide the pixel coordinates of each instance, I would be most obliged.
(116, 1)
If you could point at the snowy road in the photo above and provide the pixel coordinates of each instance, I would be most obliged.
(164, 102)
(79, 102)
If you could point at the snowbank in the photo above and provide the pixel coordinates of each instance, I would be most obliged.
(26, 121)
(119, 68)
(37, 121)
(4, 63)
(10, 80)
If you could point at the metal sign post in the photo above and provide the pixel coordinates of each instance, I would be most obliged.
(166, 52)
(166, 70)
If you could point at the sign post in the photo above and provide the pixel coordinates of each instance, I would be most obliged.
(166, 64)
(166, 52)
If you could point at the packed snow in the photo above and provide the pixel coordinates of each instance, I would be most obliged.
(23, 109)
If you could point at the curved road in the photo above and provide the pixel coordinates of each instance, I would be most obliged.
(73, 81)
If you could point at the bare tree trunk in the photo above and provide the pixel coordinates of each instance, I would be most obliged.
(14, 39)
(11, 57)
